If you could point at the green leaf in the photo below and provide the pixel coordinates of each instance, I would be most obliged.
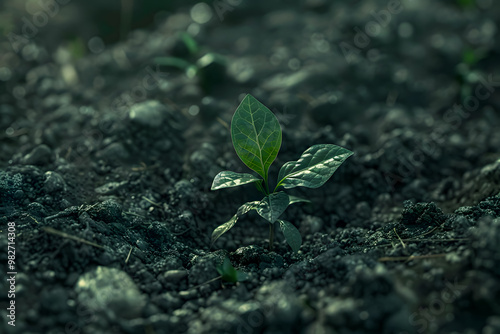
(229, 179)
(297, 199)
(247, 207)
(224, 228)
(229, 224)
(292, 235)
(256, 135)
(316, 165)
(189, 68)
(272, 206)
(190, 43)
(229, 273)
(241, 276)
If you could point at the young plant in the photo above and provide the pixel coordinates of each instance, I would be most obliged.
(256, 136)
(227, 273)
(209, 67)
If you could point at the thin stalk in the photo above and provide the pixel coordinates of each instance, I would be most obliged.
(267, 185)
(261, 188)
(277, 186)
(207, 282)
(271, 236)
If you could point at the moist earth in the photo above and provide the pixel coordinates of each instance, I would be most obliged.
(107, 158)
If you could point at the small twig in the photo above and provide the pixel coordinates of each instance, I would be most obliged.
(144, 167)
(428, 232)
(409, 258)
(68, 153)
(437, 240)
(88, 207)
(207, 282)
(150, 201)
(183, 232)
(224, 123)
(138, 169)
(128, 256)
(422, 240)
(397, 235)
(133, 214)
(51, 230)
(17, 133)
(36, 221)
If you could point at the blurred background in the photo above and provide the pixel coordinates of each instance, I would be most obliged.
(389, 78)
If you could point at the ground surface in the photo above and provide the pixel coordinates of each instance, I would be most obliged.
(107, 160)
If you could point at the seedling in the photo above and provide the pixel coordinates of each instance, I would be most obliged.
(227, 273)
(208, 66)
(256, 136)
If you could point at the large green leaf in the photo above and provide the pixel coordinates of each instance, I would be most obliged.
(314, 168)
(292, 235)
(272, 206)
(229, 179)
(256, 135)
(229, 224)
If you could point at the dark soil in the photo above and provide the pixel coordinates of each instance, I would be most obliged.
(106, 163)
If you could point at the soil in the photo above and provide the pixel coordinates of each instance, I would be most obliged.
(106, 163)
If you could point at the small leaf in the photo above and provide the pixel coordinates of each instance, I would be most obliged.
(316, 165)
(190, 43)
(292, 235)
(247, 207)
(229, 224)
(297, 199)
(272, 206)
(227, 271)
(229, 179)
(256, 135)
(224, 228)
(241, 276)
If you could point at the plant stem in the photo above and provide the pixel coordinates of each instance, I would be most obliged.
(267, 185)
(271, 236)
